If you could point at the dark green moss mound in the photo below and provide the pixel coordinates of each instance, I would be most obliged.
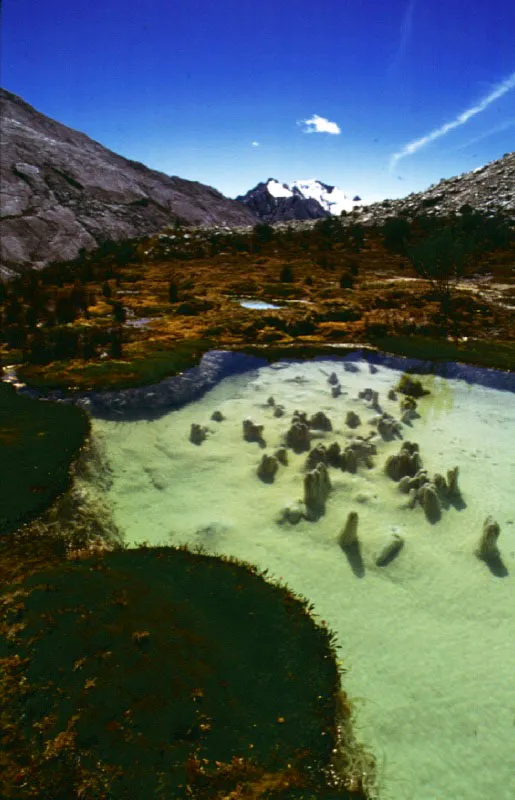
(38, 441)
(144, 672)
(494, 354)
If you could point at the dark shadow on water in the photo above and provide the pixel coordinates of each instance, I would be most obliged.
(496, 565)
(355, 559)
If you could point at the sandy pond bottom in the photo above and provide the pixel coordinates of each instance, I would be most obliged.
(429, 639)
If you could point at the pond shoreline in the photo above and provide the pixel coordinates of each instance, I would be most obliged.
(150, 401)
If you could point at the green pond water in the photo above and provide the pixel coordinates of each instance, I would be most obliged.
(429, 639)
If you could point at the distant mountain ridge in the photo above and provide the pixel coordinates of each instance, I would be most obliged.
(273, 201)
(61, 190)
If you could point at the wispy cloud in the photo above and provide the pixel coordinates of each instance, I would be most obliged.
(498, 91)
(319, 125)
(498, 129)
(255, 144)
(405, 32)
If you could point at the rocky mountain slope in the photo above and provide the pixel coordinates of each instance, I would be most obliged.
(488, 189)
(301, 200)
(61, 191)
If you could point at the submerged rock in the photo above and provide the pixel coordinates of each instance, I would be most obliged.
(197, 433)
(411, 386)
(390, 550)
(293, 513)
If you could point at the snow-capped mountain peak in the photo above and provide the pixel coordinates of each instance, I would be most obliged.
(277, 189)
(331, 198)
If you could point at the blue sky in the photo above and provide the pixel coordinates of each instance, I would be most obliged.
(220, 90)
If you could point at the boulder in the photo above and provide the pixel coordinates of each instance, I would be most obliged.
(336, 390)
(279, 411)
(217, 416)
(333, 379)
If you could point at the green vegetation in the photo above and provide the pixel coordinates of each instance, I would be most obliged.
(136, 674)
(116, 374)
(38, 442)
(498, 355)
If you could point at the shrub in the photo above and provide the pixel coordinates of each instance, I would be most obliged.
(396, 232)
(346, 280)
(286, 275)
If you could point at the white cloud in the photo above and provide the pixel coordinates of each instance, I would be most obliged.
(498, 91)
(255, 144)
(319, 125)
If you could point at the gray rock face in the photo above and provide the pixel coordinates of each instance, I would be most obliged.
(61, 191)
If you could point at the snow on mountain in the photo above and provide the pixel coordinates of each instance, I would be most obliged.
(277, 189)
(331, 198)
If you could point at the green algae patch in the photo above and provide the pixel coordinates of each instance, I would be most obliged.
(38, 442)
(482, 353)
(157, 672)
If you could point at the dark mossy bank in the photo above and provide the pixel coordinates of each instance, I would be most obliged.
(38, 443)
(158, 672)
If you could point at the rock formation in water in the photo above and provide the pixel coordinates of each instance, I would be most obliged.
(333, 379)
(352, 419)
(349, 533)
(298, 436)
(370, 396)
(487, 548)
(317, 455)
(197, 433)
(453, 489)
(334, 454)
(320, 422)
(411, 386)
(387, 426)
(429, 500)
(358, 451)
(217, 416)
(405, 462)
(281, 455)
(267, 468)
(293, 513)
(251, 431)
(317, 486)
(336, 390)
(390, 550)
(278, 411)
